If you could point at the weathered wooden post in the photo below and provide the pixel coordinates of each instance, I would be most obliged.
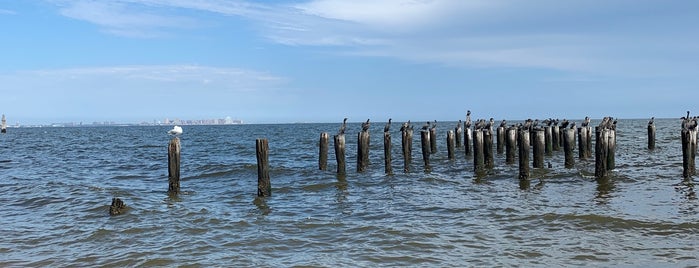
(488, 148)
(501, 139)
(3, 125)
(523, 144)
(459, 132)
(548, 140)
(468, 136)
(588, 152)
(387, 148)
(264, 187)
(611, 149)
(323, 154)
(568, 146)
(555, 137)
(117, 207)
(425, 142)
(407, 145)
(539, 144)
(686, 153)
(362, 151)
(173, 166)
(433, 138)
(451, 147)
(478, 154)
(601, 149)
(651, 134)
(339, 145)
(582, 142)
(511, 145)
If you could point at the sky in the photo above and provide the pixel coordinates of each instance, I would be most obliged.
(322, 60)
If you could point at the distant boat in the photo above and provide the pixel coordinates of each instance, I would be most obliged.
(4, 125)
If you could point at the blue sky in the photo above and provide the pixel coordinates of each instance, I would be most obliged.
(323, 60)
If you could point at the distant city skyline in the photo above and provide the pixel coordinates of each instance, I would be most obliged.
(322, 60)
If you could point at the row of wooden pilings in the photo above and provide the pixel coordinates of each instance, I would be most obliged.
(478, 143)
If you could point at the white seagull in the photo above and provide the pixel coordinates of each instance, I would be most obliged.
(176, 130)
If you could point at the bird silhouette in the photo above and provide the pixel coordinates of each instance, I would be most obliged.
(365, 125)
(388, 126)
(343, 127)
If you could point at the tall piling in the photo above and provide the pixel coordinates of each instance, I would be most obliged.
(489, 158)
(173, 166)
(548, 140)
(458, 132)
(611, 162)
(387, 152)
(433, 138)
(407, 146)
(568, 146)
(523, 144)
(501, 139)
(651, 134)
(339, 145)
(555, 137)
(582, 143)
(588, 136)
(478, 152)
(511, 145)
(468, 139)
(539, 148)
(451, 146)
(264, 187)
(362, 150)
(323, 151)
(601, 149)
(425, 142)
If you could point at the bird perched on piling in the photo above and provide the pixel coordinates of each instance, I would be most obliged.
(343, 127)
(434, 125)
(572, 126)
(651, 121)
(426, 126)
(564, 123)
(458, 125)
(388, 126)
(503, 123)
(175, 131)
(365, 125)
(406, 126)
(468, 119)
(586, 122)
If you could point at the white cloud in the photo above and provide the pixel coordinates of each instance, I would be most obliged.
(7, 12)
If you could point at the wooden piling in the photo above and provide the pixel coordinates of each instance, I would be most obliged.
(264, 187)
(339, 145)
(511, 145)
(555, 138)
(611, 151)
(323, 151)
(693, 150)
(407, 147)
(539, 144)
(433, 140)
(451, 146)
(173, 166)
(601, 149)
(582, 143)
(425, 142)
(569, 146)
(478, 152)
(523, 144)
(362, 151)
(117, 207)
(651, 135)
(686, 153)
(468, 138)
(458, 132)
(588, 137)
(548, 140)
(489, 158)
(501, 140)
(387, 152)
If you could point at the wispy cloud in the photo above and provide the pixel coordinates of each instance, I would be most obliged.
(7, 12)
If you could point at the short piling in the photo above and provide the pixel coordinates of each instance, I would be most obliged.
(555, 138)
(362, 150)
(582, 143)
(501, 140)
(523, 144)
(173, 166)
(539, 144)
(468, 138)
(651, 135)
(451, 146)
(569, 146)
(387, 152)
(478, 152)
(117, 207)
(407, 147)
(323, 151)
(425, 142)
(511, 145)
(264, 187)
(601, 149)
(489, 158)
(548, 140)
(339, 145)
(433, 139)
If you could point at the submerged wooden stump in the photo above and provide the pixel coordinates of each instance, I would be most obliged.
(339, 145)
(173, 166)
(264, 187)
(117, 207)
(323, 151)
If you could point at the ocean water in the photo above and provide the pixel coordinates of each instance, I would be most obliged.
(56, 185)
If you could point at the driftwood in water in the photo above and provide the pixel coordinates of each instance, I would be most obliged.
(407, 145)
(651, 134)
(264, 187)
(425, 142)
(117, 207)
(451, 147)
(523, 144)
(173, 166)
(339, 145)
(511, 145)
(323, 151)
(569, 146)
(539, 144)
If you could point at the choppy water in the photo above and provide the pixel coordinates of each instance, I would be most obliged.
(56, 185)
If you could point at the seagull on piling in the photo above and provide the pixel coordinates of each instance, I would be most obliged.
(175, 131)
